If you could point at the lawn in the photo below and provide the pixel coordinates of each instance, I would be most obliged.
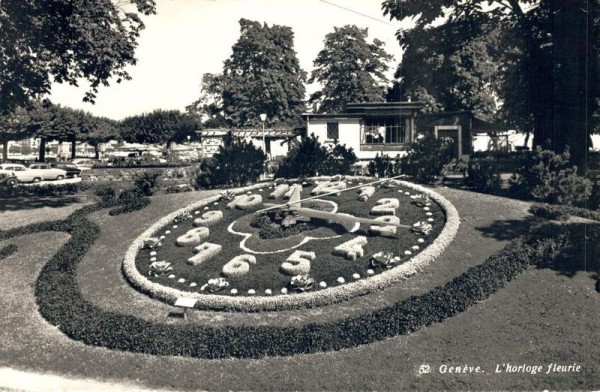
(546, 315)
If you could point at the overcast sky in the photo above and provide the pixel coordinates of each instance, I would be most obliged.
(187, 38)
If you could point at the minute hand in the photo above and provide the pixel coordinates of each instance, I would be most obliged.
(343, 218)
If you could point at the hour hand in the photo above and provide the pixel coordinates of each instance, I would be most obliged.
(344, 218)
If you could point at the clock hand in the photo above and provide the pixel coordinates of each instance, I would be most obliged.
(343, 218)
(296, 195)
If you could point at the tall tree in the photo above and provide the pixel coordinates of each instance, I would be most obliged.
(45, 41)
(263, 75)
(350, 69)
(549, 65)
(456, 67)
(159, 126)
(13, 126)
(209, 107)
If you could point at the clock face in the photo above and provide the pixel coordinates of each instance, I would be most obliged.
(230, 248)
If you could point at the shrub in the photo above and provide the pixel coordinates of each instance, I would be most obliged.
(8, 250)
(130, 205)
(547, 177)
(427, 159)
(483, 176)
(235, 164)
(306, 159)
(106, 194)
(339, 161)
(146, 183)
(178, 188)
(383, 166)
(45, 190)
(559, 212)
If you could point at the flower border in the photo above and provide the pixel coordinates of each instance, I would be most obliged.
(288, 302)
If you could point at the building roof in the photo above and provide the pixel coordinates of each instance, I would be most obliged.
(372, 109)
(247, 132)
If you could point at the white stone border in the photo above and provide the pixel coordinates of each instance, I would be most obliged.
(292, 301)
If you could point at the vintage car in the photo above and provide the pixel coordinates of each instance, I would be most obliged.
(83, 163)
(72, 170)
(36, 173)
(7, 179)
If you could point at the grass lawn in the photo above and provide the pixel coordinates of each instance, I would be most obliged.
(544, 316)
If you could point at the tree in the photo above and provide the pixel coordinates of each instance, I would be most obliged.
(101, 130)
(263, 75)
(235, 164)
(548, 67)
(456, 67)
(350, 69)
(209, 107)
(64, 41)
(159, 126)
(311, 158)
(13, 126)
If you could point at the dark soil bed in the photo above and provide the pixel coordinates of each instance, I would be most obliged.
(266, 274)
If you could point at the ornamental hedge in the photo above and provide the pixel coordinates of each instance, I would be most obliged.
(62, 304)
(8, 250)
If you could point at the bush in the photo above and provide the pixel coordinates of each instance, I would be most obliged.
(45, 190)
(483, 176)
(548, 177)
(559, 212)
(106, 194)
(178, 188)
(310, 158)
(427, 159)
(146, 183)
(8, 250)
(339, 160)
(235, 164)
(383, 166)
(549, 211)
(130, 205)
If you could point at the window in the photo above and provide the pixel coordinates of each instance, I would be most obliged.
(383, 131)
(333, 131)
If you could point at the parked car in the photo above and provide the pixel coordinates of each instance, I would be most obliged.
(83, 163)
(48, 172)
(35, 173)
(72, 170)
(8, 179)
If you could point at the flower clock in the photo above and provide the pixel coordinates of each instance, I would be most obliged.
(268, 246)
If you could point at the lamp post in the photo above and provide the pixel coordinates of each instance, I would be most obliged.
(189, 148)
(263, 118)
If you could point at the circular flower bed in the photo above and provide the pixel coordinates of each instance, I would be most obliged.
(345, 265)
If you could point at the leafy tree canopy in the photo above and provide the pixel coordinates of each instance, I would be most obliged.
(457, 68)
(350, 69)
(46, 41)
(547, 68)
(159, 126)
(263, 75)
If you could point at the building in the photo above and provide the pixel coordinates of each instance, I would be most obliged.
(276, 140)
(369, 128)
(392, 127)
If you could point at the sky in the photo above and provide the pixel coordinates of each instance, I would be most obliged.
(187, 38)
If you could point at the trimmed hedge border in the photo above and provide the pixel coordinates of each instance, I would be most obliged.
(61, 303)
(131, 206)
(8, 250)
(288, 302)
(562, 213)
